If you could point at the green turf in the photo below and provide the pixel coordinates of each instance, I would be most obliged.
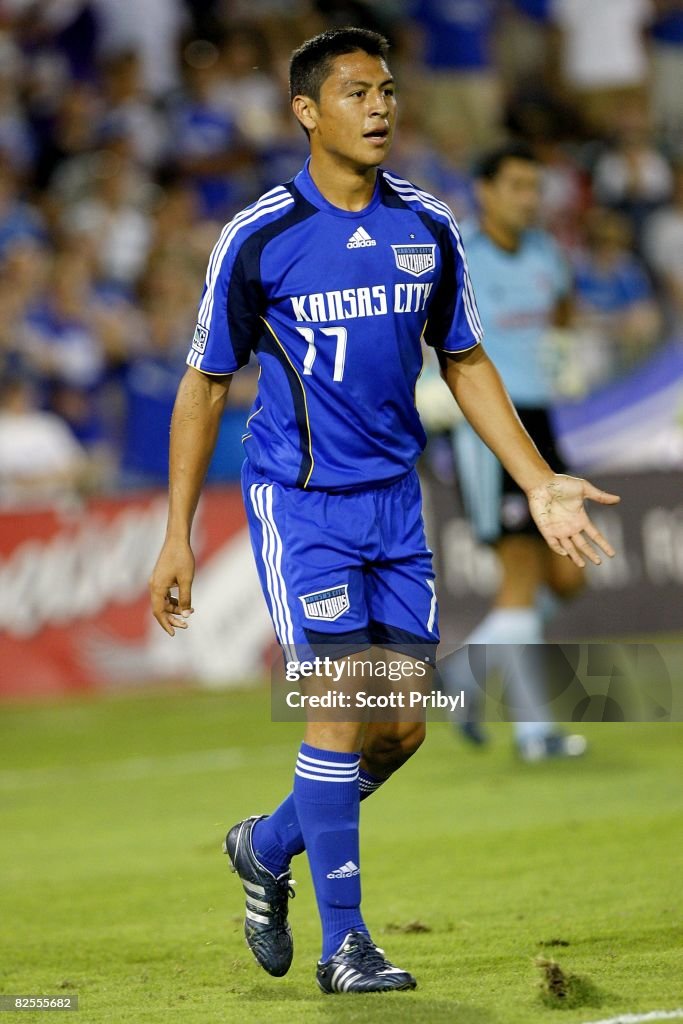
(113, 886)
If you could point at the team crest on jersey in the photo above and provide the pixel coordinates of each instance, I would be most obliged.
(326, 605)
(415, 259)
(201, 336)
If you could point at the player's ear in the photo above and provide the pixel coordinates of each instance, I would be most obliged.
(305, 111)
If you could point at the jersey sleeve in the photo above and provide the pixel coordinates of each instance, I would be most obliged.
(453, 324)
(229, 310)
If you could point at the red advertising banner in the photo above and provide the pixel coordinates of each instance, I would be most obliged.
(77, 614)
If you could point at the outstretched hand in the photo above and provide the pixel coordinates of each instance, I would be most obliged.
(558, 511)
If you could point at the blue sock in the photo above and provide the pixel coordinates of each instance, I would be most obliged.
(367, 783)
(277, 838)
(327, 805)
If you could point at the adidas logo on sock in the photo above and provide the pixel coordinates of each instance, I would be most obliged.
(360, 239)
(347, 870)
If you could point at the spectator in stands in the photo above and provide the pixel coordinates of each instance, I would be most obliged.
(207, 145)
(40, 460)
(547, 126)
(68, 30)
(667, 69)
(663, 246)
(23, 270)
(282, 155)
(65, 129)
(71, 340)
(439, 167)
(150, 384)
(18, 220)
(113, 221)
(16, 137)
(604, 57)
(616, 304)
(632, 176)
(245, 87)
(524, 36)
(129, 111)
(61, 342)
(153, 29)
(461, 87)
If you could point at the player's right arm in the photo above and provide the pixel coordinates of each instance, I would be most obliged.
(196, 419)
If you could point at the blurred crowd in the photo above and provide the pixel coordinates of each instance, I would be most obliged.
(131, 130)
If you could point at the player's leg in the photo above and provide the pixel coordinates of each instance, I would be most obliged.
(327, 801)
(401, 604)
(404, 624)
(513, 619)
(500, 515)
(314, 588)
(562, 576)
(387, 747)
(308, 579)
(529, 571)
(513, 623)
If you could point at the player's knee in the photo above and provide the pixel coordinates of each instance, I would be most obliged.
(342, 736)
(567, 580)
(570, 589)
(414, 738)
(384, 753)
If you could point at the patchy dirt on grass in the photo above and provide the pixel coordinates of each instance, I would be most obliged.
(555, 982)
(562, 990)
(409, 928)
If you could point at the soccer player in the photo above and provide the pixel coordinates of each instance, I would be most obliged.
(334, 280)
(523, 289)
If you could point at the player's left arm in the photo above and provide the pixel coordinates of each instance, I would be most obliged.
(556, 501)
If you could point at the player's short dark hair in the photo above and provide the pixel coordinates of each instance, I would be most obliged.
(489, 165)
(311, 63)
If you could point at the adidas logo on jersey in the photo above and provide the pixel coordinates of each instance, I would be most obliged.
(347, 870)
(360, 239)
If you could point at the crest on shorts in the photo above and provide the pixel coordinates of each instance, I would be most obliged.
(415, 259)
(200, 339)
(326, 605)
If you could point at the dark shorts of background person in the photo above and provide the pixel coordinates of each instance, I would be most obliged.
(492, 501)
(515, 517)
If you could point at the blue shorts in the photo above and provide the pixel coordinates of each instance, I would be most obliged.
(344, 572)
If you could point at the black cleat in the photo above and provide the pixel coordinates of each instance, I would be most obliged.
(359, 966)
(268, 935)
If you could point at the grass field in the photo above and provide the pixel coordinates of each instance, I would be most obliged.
(114, 888)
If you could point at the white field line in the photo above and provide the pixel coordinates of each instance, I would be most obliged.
(139, 768)
(642, 1018)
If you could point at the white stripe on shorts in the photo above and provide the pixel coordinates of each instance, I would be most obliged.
(271, 553)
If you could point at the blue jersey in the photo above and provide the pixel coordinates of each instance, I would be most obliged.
(517, 293)
(335, 305)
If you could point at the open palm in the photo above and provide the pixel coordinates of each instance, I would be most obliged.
(559, 513)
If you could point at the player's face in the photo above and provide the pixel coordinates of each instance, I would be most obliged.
(355, 117)
(513, 197)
